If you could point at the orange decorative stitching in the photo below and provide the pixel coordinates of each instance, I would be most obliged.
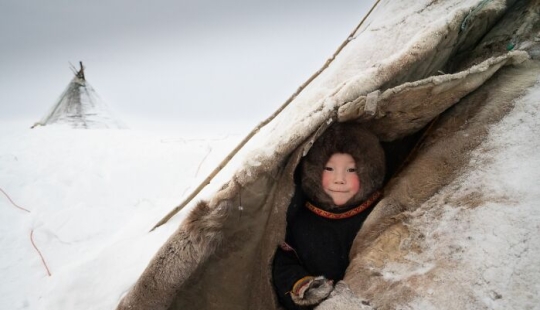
(350, 213)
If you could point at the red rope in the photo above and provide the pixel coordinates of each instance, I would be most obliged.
(31, 234)
(39, 252)
(1, 190)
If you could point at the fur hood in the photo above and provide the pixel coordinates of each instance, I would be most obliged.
(349, 138)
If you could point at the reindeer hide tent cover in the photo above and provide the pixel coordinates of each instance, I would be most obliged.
(476, 52)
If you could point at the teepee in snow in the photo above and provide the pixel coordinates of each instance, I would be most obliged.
(79, 106)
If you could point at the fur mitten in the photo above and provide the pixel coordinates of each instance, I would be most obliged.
(343, 298)
(310, 291)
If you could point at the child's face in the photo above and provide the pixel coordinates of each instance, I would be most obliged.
(339, 178)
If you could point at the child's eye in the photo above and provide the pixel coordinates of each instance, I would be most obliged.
(351, 170)
(328, 168)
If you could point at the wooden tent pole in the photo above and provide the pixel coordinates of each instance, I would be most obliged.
(80, 74)
(262, 124)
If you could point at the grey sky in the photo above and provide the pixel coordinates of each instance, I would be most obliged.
(182, 59)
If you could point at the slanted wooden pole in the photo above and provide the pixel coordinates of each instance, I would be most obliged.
(262, 124)
(80, 74)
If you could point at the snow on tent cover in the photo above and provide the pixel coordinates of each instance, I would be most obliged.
(79, 106)
(430, 79)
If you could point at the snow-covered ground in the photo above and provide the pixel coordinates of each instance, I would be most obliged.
(93, 195)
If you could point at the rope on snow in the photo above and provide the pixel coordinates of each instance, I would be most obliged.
(31, 233)
(39, 252)
(13, 203)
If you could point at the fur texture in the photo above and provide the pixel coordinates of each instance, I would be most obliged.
(182, 262)
(317, 290)
(387, 237)
(442, 158)
(179, 257)
(349, 138)
(342, 298)
(187, 263)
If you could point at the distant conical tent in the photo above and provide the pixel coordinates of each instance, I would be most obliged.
(79, 106)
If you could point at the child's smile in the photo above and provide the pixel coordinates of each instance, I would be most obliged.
(339, 178)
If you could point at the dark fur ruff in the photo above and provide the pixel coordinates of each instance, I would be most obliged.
(349, 138)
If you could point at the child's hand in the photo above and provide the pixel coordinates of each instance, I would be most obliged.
(310, 291)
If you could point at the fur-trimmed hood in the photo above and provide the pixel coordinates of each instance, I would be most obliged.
(348, 138)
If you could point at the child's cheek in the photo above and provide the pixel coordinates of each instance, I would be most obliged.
(325, 180)
(355, 184)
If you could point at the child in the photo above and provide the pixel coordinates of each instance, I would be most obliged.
(340, 178)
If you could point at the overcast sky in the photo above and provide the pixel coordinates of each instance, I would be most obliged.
(171, 59)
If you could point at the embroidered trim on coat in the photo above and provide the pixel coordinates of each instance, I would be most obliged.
(350, 213)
